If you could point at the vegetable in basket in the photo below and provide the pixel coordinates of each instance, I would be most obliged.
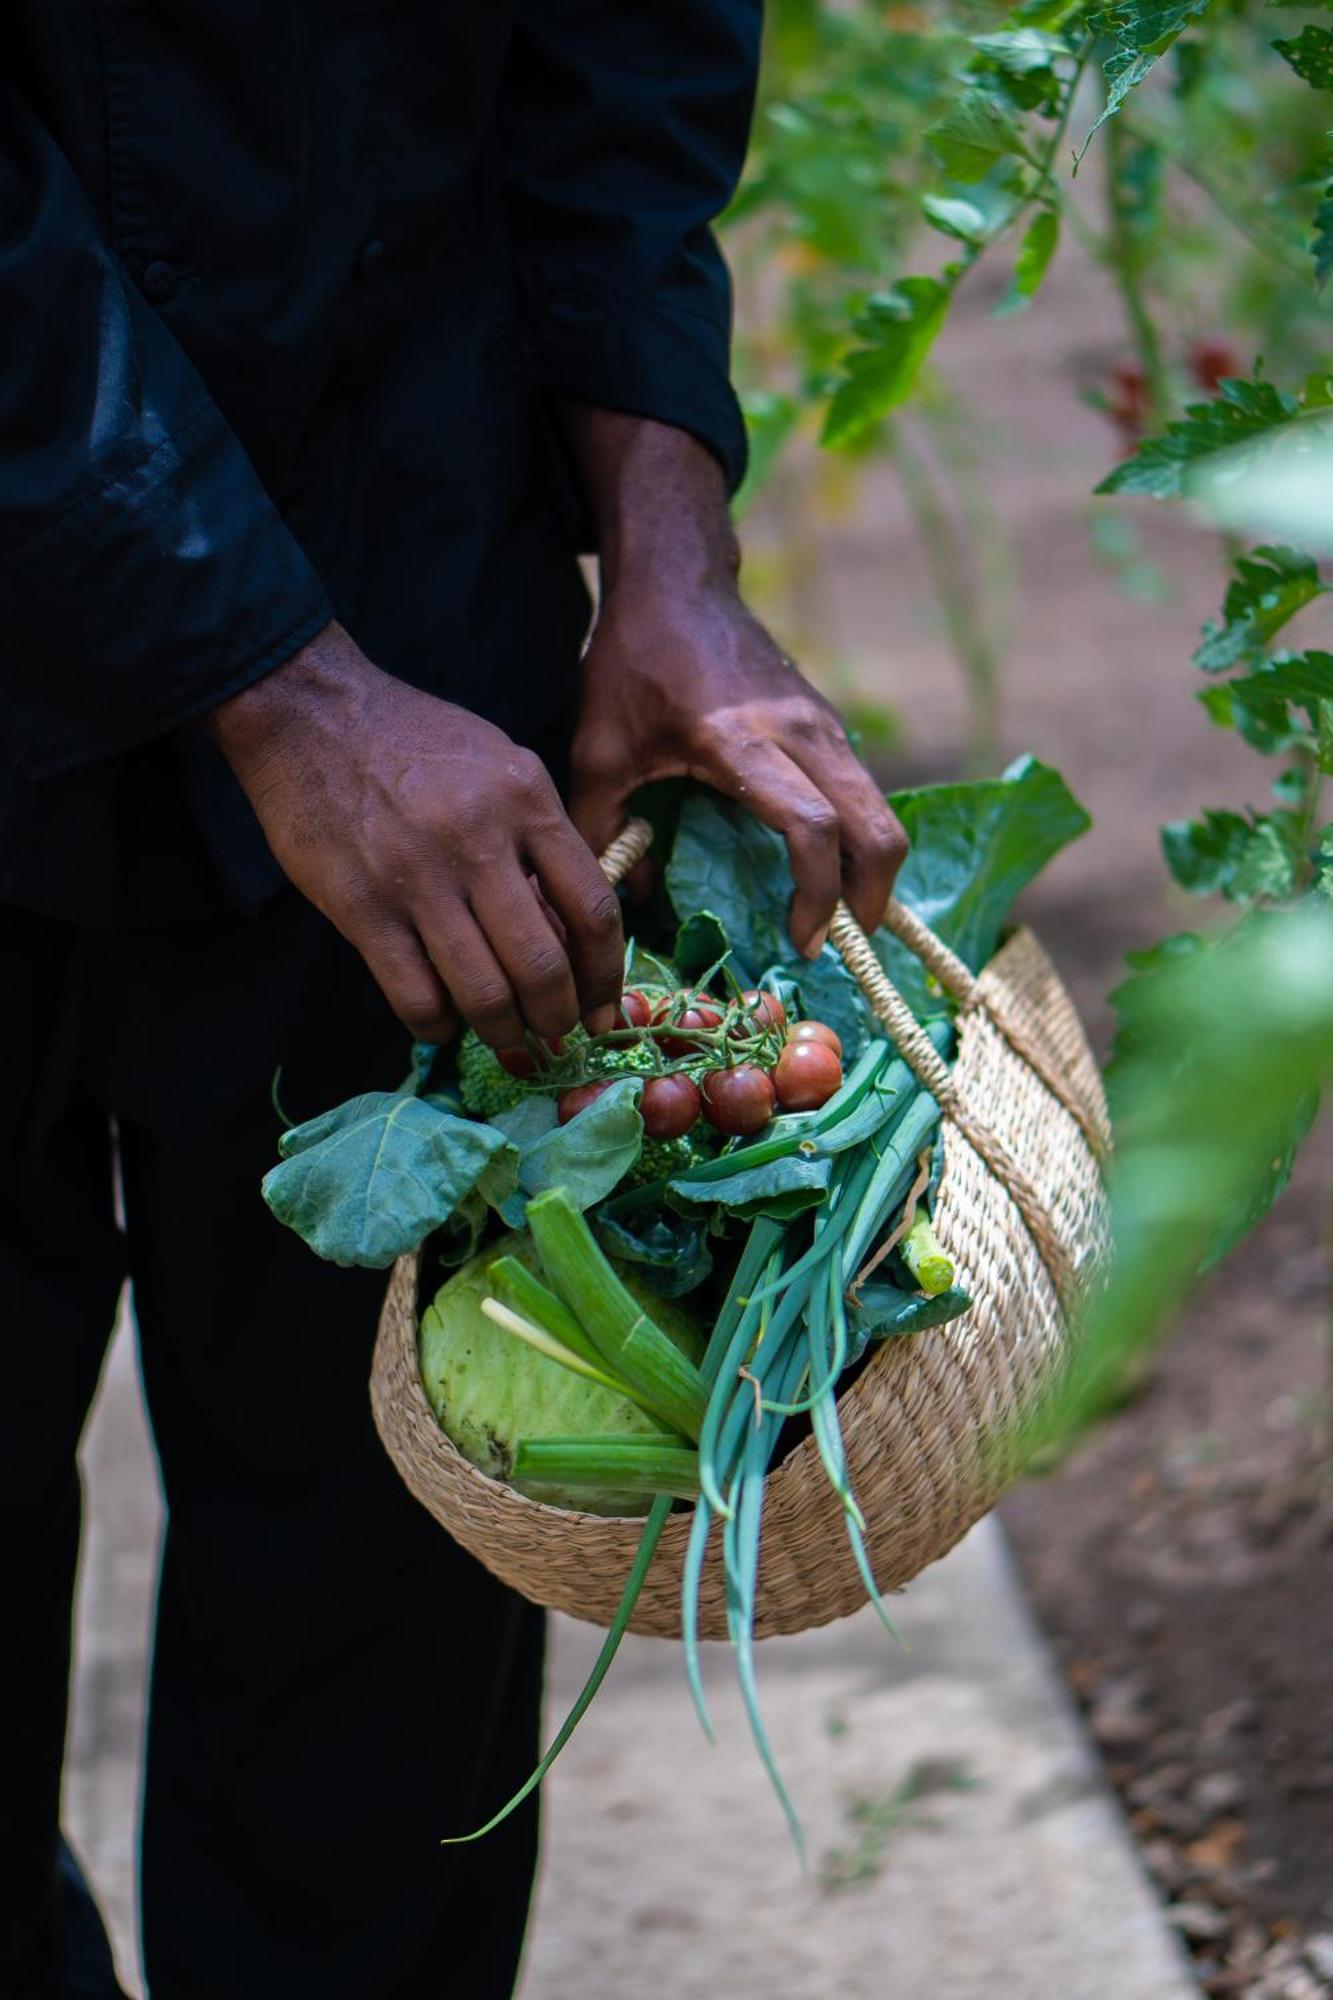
(747, 1138)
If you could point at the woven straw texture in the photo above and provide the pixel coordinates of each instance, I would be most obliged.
(928, 1424)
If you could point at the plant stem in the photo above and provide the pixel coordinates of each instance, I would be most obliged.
(956, 594)
(1127, 269)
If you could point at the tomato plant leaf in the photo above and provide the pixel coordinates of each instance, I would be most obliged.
(969, 140)
(1321, 246)
(1233, 855)
(1140, 32)
(1266, 590)
(1040, 241)
(954, 217)
(1310, 54)
(898, 328)
(365, 1183)
(1242, 414)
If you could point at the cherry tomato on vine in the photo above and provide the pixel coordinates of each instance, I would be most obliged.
(738, 1101)
(519, 1061)
(635, 1009)
(765, 1009)
(670, 1106)
(815, 1031)
(806, 1075)
(689, 1020)
(571, 1102)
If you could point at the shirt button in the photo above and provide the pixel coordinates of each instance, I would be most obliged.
(370, 258)
(159, 281)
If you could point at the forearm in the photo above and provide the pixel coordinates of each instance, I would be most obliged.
(658, 502)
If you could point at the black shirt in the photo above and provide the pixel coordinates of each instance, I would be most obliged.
(290, 291)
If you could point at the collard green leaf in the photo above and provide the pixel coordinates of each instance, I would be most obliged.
(898, 329)
(527, 1121)
(881, 1311)
(588, 1157)
(1311, 55)
(1243, 414)
(671, 1249)
(974, 848)
(724, 862)
(1266, 590)
(700, 942)
(781, 1188)
(1040, 241)
(366, 1183)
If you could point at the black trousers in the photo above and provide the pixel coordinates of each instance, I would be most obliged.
(334, 1685)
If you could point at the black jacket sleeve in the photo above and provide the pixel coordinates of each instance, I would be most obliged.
(624, 125)
(144, 573)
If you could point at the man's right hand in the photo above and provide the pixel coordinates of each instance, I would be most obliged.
(437, 846)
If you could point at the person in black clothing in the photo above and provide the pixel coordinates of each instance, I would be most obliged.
(331, 334)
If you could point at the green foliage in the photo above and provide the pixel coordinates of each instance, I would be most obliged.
(1243, 415)
(1266, 590)
(1140, 33)
(1310, 55)
(897, 330)
(1205, 1139)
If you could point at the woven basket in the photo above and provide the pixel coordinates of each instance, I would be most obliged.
(929, 1424)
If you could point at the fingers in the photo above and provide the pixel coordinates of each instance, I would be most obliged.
(872, 842)
(528, 949)
(478, 984)
(598, 794)
(585, 903)
(763, 778)
(409, 982)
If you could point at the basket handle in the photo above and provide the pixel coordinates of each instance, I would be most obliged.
(920, 1054)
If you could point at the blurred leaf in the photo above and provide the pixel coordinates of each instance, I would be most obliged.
(1141, 31)
(1231, 1046)
(1040, 240)
(899, 328)
(1267, 589)
(1321, 249)
(974, 135)
(961, 219)
(1311, 55)
(770, 419)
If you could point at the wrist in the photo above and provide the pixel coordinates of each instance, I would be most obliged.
(659, 504)
(330, 669)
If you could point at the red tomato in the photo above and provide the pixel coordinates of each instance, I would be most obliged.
(683, 1016)
(635, 1010)
(806, 1075)
(571, 1102)
(670, 1106)
(738, 1101)
(766, 1010)
(1211, 361)
(815, 1031)
(519, 1060)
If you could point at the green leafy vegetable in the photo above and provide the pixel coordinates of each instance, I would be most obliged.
(974, 848)
(365, 1183)
(587, 1157)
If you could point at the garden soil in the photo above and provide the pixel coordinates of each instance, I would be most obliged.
(1183, 1559)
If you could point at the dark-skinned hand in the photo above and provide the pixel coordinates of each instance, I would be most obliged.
(435, 844)
(680, 680)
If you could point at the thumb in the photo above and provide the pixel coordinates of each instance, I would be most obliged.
(599, 789)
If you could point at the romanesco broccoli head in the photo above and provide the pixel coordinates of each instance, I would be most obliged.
(660, 1159)
(483, 1084)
